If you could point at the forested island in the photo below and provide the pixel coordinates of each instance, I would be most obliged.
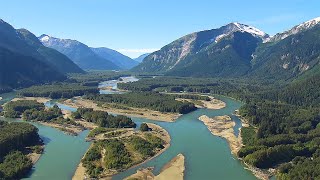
(17, 140)
(115, 150)
(154, 101)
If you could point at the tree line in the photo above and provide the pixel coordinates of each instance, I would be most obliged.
(150, 100)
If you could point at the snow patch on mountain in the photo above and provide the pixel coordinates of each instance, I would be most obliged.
(250, 29)
(295, 30)
(235, 27)
(44, 38)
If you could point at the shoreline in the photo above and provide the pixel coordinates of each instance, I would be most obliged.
(73, 130)
(132, 112)
(173, 170)
(81, 171)
(222, 126)
(214, 103)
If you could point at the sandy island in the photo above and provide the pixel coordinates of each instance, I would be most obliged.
(157, 130)
(38, 99)
(130, 111)
(222, 126)
(212, 104)
(174, 170)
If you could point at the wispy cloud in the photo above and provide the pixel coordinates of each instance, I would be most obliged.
(147, 50)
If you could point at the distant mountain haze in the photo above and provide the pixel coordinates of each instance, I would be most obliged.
(124, 62)
(79, 53)
(141, 57)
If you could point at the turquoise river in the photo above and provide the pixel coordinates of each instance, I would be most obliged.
(208, 157)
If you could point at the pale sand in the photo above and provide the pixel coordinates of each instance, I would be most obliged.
(87, 125)
(34, 157)
(80, 173)
(134, 112)
(156, 130)
(38, 99)
(66, 113)
(212, 104)
(0, 98)
(223, 126)
(174, 170)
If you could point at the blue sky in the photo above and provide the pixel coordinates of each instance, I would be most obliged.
(137, 26)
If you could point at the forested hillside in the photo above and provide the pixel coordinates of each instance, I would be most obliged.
(25, 61)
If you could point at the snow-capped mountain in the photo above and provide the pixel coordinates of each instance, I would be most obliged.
(239, 38)
(295, 30)
(79, 53)
(235, 26)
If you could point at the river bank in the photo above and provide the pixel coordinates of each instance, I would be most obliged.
(174, 170)
(222, 126)
(157, 131)
(130, 111)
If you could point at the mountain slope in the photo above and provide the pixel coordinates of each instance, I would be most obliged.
(20, 63)
(228, 58)
(18, 70)
(59, 60)
(124, 62)
(289, 57)
(141, 57)
(79, 53)
(196, 48)
(24, 42)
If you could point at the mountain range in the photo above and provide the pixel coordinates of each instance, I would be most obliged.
(89, 58)
(124, 62)
(239, 50)
(79, 53)
(233, 50)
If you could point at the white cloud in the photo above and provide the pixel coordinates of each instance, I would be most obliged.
(150, 50)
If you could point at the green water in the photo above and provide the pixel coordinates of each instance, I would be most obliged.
(62, 154)
(207, 156)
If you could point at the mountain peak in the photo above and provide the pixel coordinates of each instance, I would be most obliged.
(249, 29)
(236, 26)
